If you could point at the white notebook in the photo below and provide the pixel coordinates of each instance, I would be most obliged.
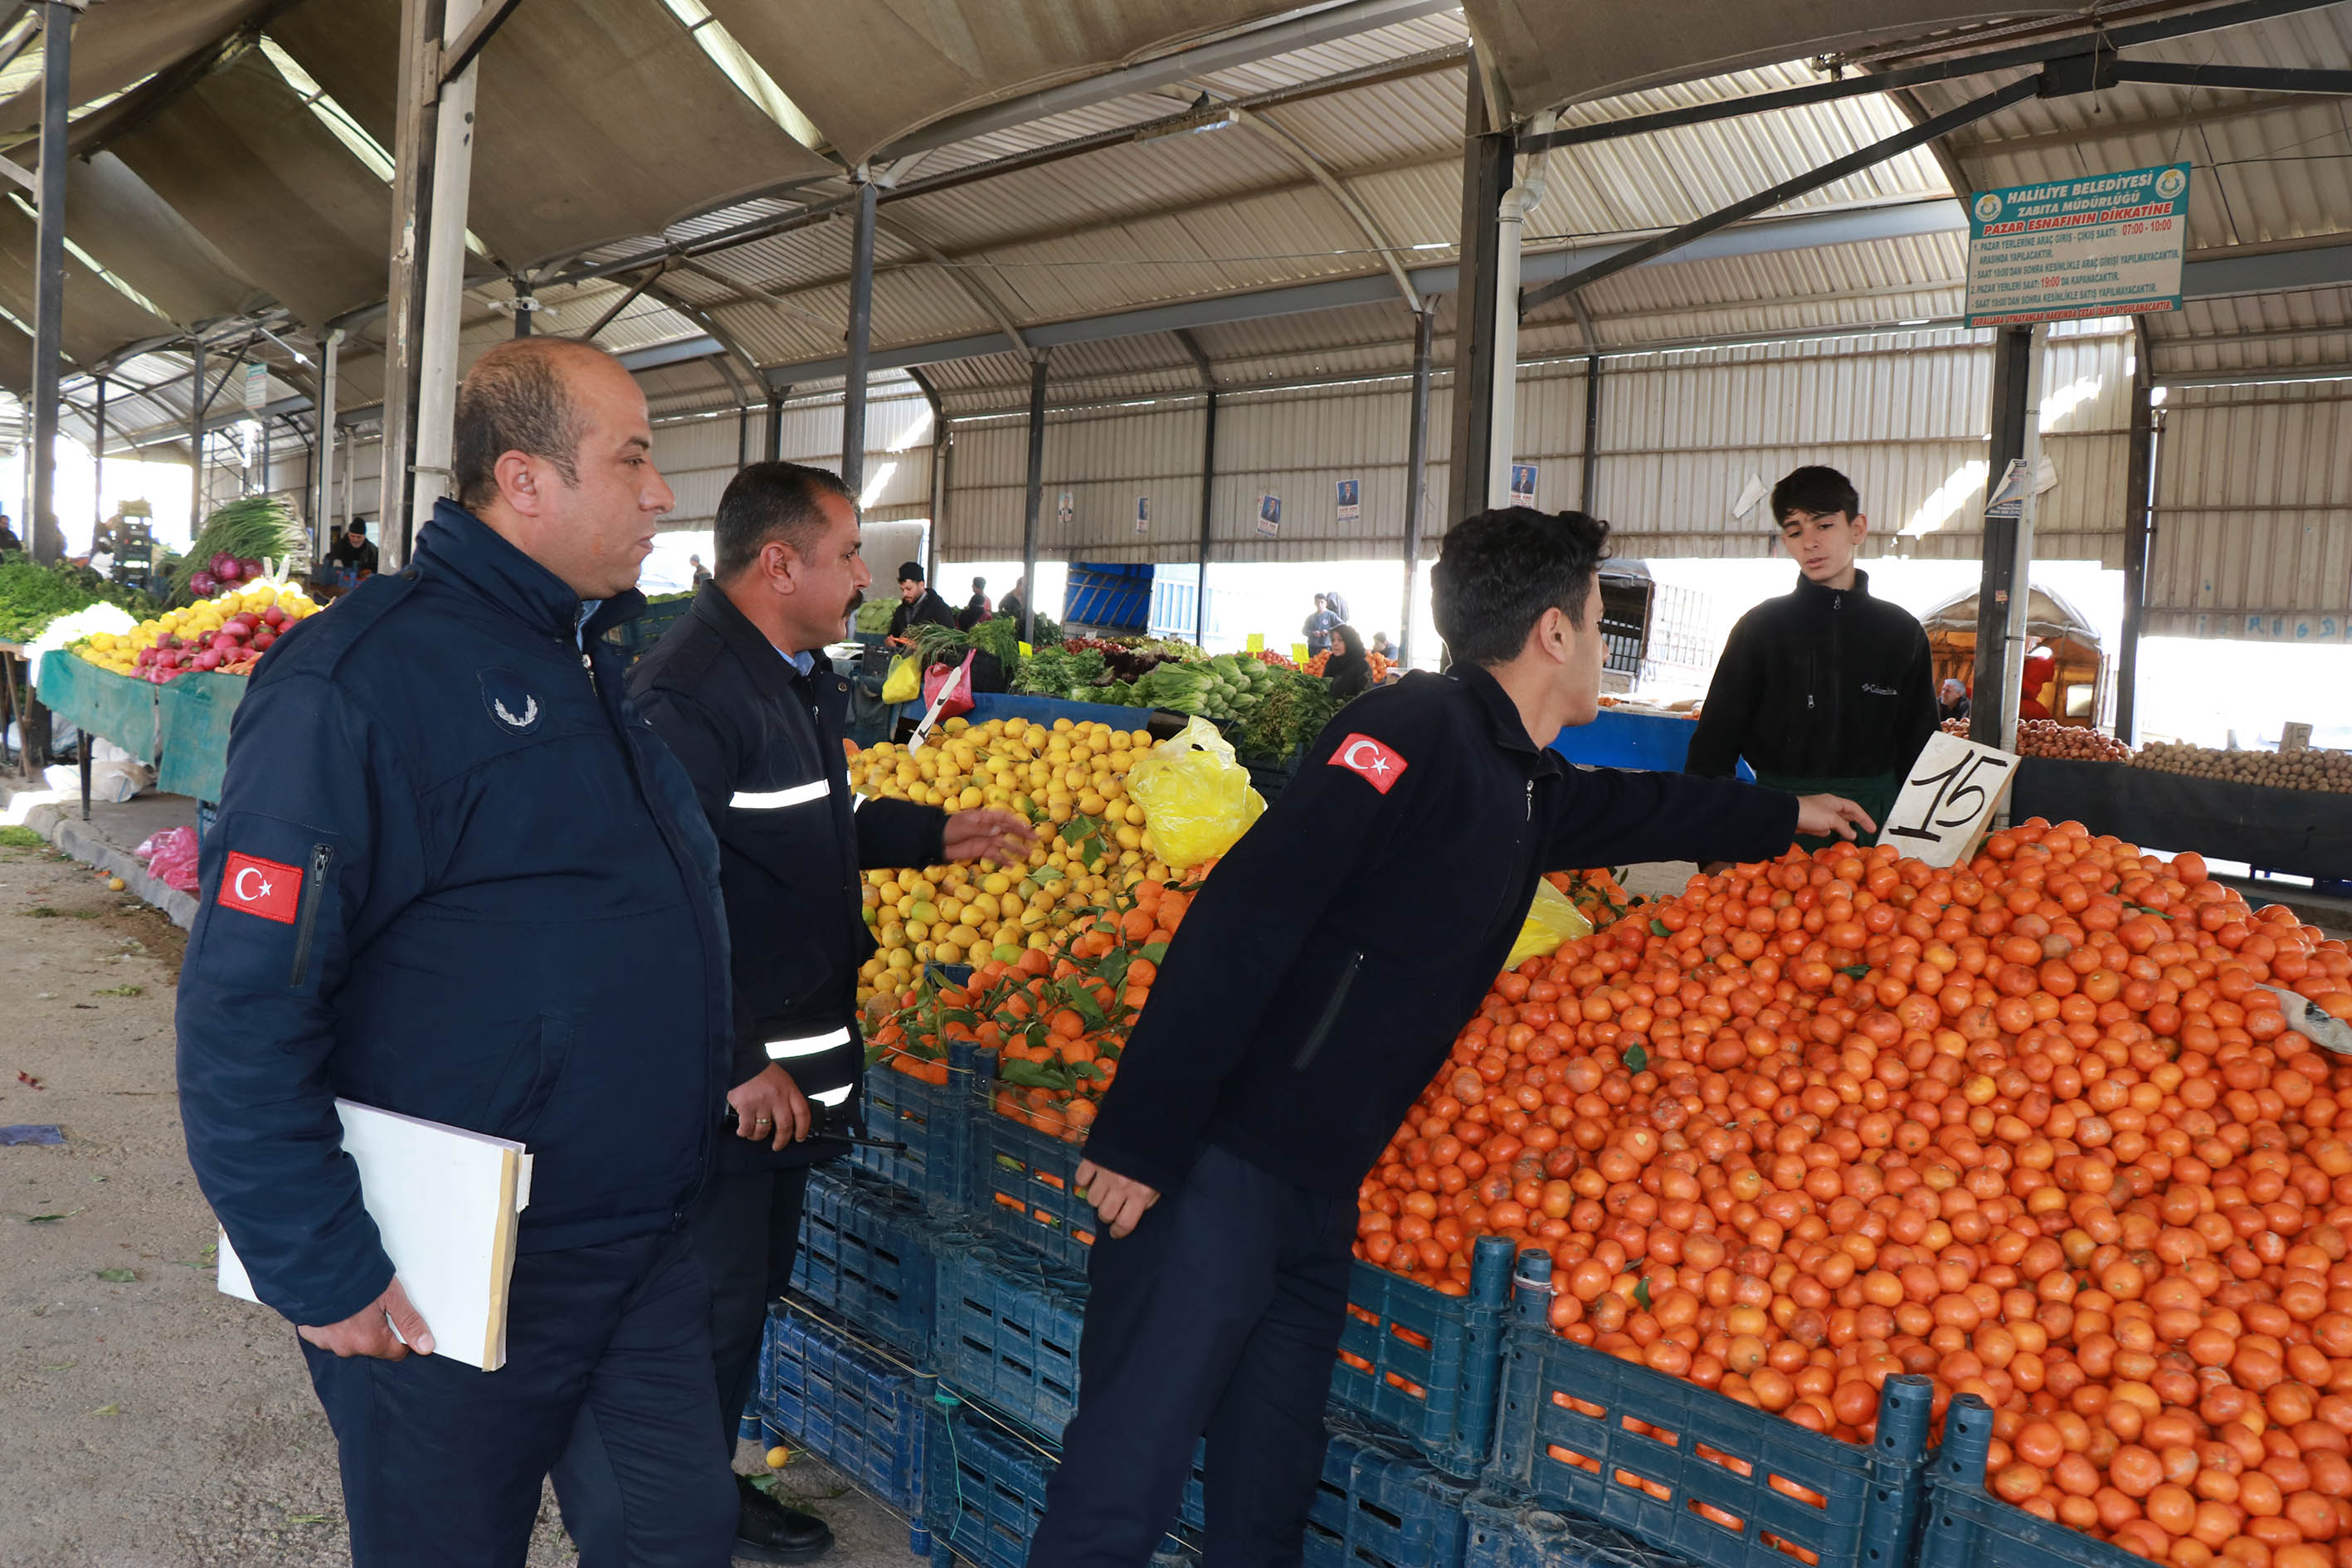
(444, 1202)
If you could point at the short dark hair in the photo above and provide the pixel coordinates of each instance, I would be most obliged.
(1501, 570)
(514, 400)
(1816, 491)
(767, 502)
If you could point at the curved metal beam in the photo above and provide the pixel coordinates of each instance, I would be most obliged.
(703, 319)
(1947, 155)
(1200, 357)
(986, 298)
(1323, 175)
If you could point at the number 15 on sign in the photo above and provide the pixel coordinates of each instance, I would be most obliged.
(1949, 799)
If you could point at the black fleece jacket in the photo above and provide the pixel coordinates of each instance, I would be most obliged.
(1819, 683)
(1320, 980)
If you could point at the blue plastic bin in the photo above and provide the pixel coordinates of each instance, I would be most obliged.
(933, 1120)
(1501, 1532)
(985, 1490)
(1582, 1432)
(1380, 1506)
(1024, 1182)
(1964, 1526)
(854, 1409)
(1008, 1332)
(868, 1256)
(1423, 1364)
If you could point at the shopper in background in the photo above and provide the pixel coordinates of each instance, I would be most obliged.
(8, 539)
(917, 605)
(1825, 689)
(1348, 670)
(1954, 703)
(1319, 626)
(1318, 982)
(456, 876)
(975, 609)
(351, 560)
(1014, 604)
(1380, 646)
(701, 574)
(741, 690)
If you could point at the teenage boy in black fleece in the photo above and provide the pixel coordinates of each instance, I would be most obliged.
(1299, 1014)
(1825, 689)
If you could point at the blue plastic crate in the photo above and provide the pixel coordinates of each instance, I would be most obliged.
(1423, 1364)
(1964, 1526)
(1025, 1181)
(933, 1120)
(985, 1491)
(1682, 1468)
(1379, 1506)
(1506, 1532)
(869, 1256)
(1008, 1332)
(853, 1408)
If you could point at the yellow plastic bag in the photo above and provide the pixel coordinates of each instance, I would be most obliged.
(905, 682)
(1552, 919)
(1196, 799)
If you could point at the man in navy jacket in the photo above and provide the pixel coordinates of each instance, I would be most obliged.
(1318, 981)
(456, 876)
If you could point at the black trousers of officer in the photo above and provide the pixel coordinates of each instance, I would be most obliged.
(743, 1235)
(442, 1463)
(1220, 1315)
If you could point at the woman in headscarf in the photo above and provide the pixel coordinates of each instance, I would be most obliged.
(1348, 671)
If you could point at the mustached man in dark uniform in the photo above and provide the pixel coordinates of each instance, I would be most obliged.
(1825, 689)
(741, 690)
(455, 876)
(1318, 982)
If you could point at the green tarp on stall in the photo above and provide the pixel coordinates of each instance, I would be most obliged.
(196, 710)
(101, 702)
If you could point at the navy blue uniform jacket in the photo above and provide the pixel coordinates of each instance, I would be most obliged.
(763, 743)
(1331, 958)
(508, 919)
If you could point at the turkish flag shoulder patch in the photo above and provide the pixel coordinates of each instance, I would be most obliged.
(261, 888)
(1379, 765)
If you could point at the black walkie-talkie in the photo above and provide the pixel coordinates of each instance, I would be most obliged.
(819, 1115)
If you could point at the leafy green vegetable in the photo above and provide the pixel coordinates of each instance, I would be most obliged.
(1001, 637)
(32, 595)
(253, 528)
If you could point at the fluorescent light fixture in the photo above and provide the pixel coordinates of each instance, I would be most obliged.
(748, 74)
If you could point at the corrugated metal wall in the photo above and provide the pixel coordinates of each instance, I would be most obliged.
(2253, 514)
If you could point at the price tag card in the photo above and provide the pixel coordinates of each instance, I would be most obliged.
(1949, 799)
(1298, 654)
(1257, 642)
(1027, 650)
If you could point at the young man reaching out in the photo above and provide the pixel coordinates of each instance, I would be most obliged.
(1299, 1016)
(1824, 689)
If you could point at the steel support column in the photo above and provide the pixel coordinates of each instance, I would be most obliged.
(1487, 158)
(861, 336)
(1589, 488)
(414, 140)
(322, 528)
(776, 396)
(1416, 471)
(1208, 508)
(1992, 703)
(47, 539)
(445, 276)
(98, 465)
(197, 404)
(524, 306)
(2139, 502)
(1036, 496)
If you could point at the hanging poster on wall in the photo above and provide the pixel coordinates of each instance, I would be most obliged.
(1064, 510)
(1523, 484)
(1351, 499)
(1143, 514)
(1269, 516)
(2103, 245)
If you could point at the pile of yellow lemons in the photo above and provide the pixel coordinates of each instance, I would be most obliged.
(118, 651)
(1056, 775)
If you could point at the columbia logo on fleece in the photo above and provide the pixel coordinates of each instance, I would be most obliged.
(1880, 691)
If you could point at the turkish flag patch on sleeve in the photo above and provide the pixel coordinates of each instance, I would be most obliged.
(261, 888)
(1379, 766)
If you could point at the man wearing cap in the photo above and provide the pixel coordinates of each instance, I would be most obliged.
(917, 605)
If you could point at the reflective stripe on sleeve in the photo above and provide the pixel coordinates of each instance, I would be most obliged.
(799, 794)
(807, 1046)
(832, 1096)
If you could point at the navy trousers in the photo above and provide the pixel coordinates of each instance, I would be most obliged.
(1221, 1316)
(743, 1235)
(442, 1463)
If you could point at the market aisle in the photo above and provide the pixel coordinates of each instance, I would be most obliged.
(153, 1423)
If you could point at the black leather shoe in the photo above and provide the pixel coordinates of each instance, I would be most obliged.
(767, 1531)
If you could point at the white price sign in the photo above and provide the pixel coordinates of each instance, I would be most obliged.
(1949, 797)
